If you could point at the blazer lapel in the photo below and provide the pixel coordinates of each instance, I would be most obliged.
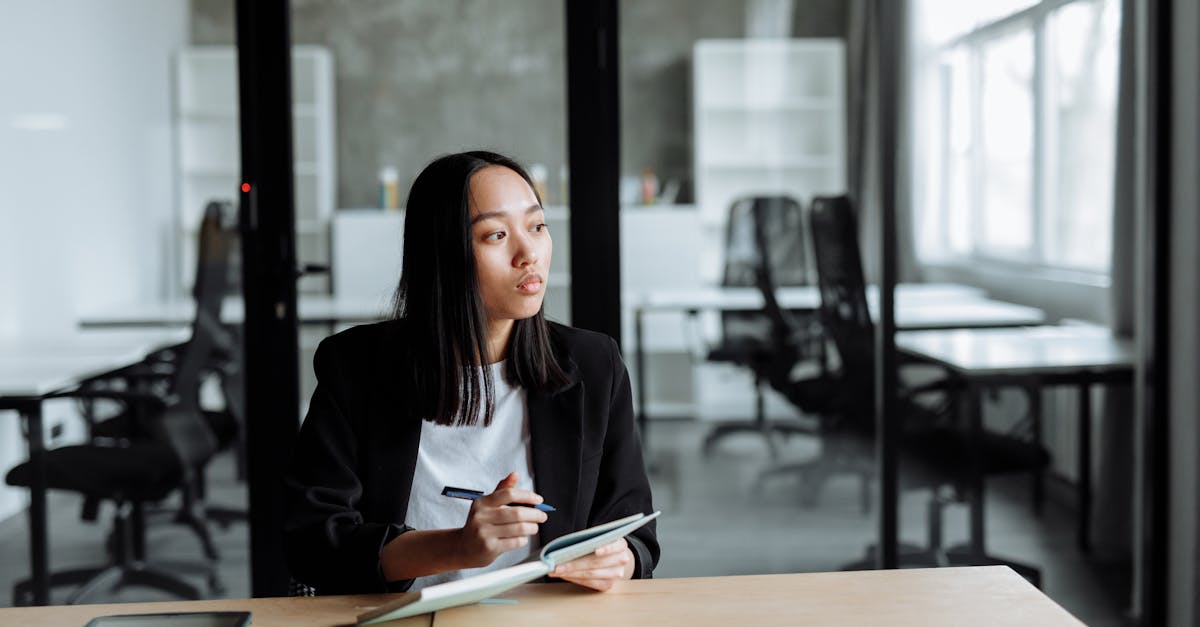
(556, 428)
(396, 433)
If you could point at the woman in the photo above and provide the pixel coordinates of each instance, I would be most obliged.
(468, 386)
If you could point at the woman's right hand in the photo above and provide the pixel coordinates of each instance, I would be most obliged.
(493, 527)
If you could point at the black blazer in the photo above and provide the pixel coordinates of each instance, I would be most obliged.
(348, 485)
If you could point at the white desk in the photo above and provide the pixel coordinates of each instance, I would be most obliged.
(32, 370)
(120, 343)
(311, 309)
(806, 297)
(1033, 357)
(1040, 350)
(915, 308)
(918, 306)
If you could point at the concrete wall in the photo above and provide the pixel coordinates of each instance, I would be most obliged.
(417, 78)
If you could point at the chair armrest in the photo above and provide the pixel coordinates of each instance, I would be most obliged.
(128, 396)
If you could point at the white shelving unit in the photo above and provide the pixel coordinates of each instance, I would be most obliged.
(209, 156)
(769, 117)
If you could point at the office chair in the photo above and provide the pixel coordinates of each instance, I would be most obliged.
(133, 473)
(156, 375)
(135, 458)
(746, 338)
(935, 451)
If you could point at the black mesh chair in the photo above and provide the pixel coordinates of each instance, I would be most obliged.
(156, 376)
(935, 450)
(746, 336)
(160, 443)
(132, 473)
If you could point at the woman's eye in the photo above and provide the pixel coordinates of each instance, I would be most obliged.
(495, 237)
(538, 228)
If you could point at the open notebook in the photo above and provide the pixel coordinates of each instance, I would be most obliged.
(479, 587)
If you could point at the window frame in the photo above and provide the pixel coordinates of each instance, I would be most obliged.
(933, 65)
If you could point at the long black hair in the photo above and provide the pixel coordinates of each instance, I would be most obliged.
(439, 299)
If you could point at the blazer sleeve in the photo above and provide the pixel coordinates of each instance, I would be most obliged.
(623, 487)
(329, 545)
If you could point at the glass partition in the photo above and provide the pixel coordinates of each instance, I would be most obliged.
(406, 83)
(1014, 119)
(734, 116)
(119, 175)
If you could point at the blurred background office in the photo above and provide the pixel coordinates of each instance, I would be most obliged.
(1030, 160)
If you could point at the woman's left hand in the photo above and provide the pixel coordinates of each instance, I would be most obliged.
(600, 570)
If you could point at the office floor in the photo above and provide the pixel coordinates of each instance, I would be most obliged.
(713, 523)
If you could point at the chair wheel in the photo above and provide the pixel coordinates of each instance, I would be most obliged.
(215, 587)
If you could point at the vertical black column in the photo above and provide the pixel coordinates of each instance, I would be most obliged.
(268, 277)
(1153, 417)
(594, 156)
(889, 22)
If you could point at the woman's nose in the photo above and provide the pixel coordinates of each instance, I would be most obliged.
(527, 253)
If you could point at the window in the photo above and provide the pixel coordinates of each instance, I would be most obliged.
(1015, 130)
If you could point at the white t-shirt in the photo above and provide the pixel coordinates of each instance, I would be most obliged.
(476, 458)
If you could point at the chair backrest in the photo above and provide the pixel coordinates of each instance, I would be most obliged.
(782, 221)
(209, 337)
(182, 424)
(845, 315)
(786, 332)
(762, 227)
(214, 246)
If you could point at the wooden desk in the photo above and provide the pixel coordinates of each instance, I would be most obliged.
(32, 370)
(1033, 357)
(978, 596)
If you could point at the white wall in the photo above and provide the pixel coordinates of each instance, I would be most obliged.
(86, 145)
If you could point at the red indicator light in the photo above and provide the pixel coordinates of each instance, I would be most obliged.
(246, 187)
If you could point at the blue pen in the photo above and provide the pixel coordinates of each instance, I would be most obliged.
(471, 495)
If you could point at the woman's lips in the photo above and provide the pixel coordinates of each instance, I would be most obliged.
(531, 285)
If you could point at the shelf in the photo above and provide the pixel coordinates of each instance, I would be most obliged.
(208, 155)
(308, 225)
(220, 115)
(816, 105)
(793, 163)
(768, 117)
(231, 115)
(212, 172)
(300, 169)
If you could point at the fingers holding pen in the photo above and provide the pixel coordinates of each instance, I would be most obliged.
(492, 527)
(507, 493)
(486, 513)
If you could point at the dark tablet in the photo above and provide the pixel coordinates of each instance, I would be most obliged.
(174, 619)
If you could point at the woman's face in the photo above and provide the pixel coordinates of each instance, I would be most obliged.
(511, 243)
